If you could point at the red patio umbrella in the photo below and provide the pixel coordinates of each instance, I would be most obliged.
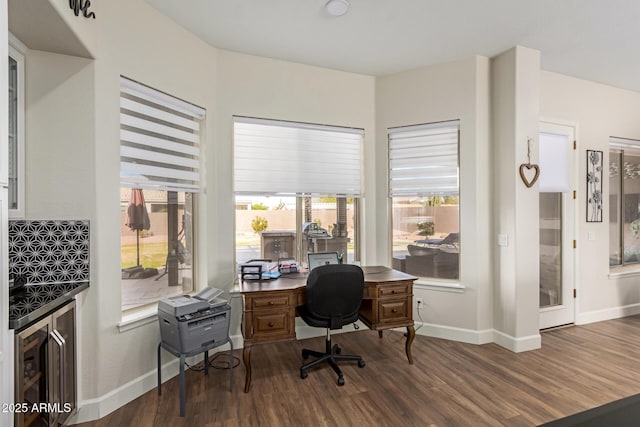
(137, 217)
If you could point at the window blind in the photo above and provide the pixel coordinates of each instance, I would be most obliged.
(278, 157)
(423, 160)
(553, 155)
(159, 140)
(629, 146)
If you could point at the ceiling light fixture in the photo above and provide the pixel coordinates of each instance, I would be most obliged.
(337, 7)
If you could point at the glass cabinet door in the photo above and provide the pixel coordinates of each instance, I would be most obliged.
(63, 388)
(32, 358)
(16, 134)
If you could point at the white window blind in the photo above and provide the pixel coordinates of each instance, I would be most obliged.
(554, 163)
(629, 146)
(277, 157)
(159, 140)
(423, 160)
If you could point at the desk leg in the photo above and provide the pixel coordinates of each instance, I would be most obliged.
(380, 333)
(246, 358)
(411, 334)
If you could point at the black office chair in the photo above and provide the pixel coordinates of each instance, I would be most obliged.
(333, 297)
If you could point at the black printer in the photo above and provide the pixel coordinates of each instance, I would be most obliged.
(189, 324)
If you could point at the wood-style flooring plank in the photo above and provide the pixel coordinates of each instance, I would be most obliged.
(449, 384)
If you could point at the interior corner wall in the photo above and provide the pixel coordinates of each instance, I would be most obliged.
(456, 90)
(515, 109)
(598, 112)
(60, 145)
(59, 159)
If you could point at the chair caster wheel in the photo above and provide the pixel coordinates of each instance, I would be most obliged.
(305, 355)
(338, 350)
(361, 364)
(303, 374)
(341, 381)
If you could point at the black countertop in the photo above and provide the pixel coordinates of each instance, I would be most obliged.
(34, 301)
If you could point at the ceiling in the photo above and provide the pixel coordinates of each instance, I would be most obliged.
(597, 40)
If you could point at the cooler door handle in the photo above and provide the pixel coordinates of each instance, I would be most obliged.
(61, 343)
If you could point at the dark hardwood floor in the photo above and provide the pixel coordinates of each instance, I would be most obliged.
(450, 384)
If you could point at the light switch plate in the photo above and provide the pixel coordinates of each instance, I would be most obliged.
(503, 240)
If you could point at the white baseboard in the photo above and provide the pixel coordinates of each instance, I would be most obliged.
(607, 314)
(517, 345)
(480, 337)
(94, 409)
(455, 334)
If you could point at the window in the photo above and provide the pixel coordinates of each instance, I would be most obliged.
(425, 200)
(297, 188)
(16, 134)
(160, 181)
(624, 202)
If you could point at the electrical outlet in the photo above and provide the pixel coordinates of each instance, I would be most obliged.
(419, 303)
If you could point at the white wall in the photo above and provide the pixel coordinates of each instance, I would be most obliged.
(515, 122)
(61, 145)
(457, 90)
(599, 111)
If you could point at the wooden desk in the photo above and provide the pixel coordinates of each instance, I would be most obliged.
(270, 308)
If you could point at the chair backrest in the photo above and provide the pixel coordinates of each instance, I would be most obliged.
(415, 250)
(451, 238)
(334, 292)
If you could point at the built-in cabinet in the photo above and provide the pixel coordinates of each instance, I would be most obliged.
(45, 380)
(6, 349)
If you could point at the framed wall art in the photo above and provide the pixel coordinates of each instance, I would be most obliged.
(594, 186)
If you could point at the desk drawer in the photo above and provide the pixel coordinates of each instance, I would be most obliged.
(273, 323)
(393, 310)
(394, 290)
(271, 301)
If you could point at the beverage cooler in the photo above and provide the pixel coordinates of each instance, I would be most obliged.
(45, 382)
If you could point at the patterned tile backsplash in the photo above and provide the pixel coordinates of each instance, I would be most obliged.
(49, 251)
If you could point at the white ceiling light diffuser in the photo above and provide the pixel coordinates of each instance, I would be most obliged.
(337, 7)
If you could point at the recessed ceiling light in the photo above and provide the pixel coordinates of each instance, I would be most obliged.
(337, 7)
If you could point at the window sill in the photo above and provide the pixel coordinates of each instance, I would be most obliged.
(434, 285)
(621, 273)
(136, 318)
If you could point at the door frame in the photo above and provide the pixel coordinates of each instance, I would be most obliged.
(565, 313)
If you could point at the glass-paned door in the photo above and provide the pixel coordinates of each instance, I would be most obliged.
(557, 230)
